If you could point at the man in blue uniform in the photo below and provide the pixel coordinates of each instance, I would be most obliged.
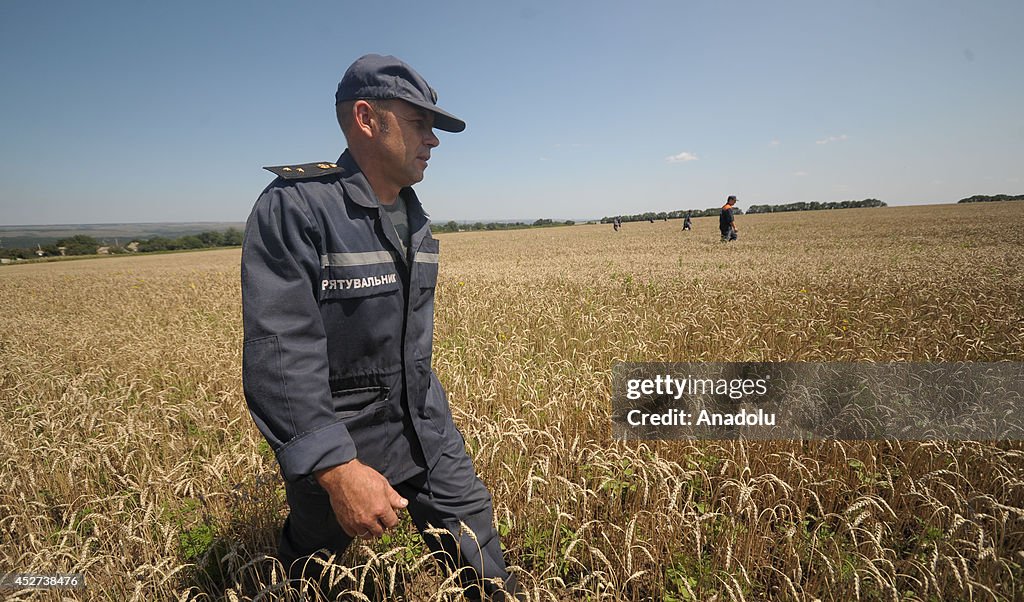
(338, 275)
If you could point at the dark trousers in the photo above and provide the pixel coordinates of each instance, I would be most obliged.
(449, 497)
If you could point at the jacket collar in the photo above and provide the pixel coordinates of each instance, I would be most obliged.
(356, 185)
(361, 193)
(358, 189)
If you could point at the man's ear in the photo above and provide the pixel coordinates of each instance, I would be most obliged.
(363, 117)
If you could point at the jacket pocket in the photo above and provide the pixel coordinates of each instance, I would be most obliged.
(364, 412)
(262, 377)
(353, 402)
(437, 404)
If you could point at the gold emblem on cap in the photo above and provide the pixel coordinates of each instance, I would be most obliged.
(300, 170)
(287, 169)
(324, 165)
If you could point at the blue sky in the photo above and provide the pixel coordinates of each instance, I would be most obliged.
(149, 112)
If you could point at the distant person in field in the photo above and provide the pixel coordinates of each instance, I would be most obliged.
(727, 222)
(616, 224)
(686, 222)
(339, 269)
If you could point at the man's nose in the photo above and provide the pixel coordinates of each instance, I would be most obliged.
(431, 140)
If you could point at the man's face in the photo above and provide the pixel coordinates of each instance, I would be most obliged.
(406, 141)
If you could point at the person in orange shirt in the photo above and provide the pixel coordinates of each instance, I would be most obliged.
(726, 221)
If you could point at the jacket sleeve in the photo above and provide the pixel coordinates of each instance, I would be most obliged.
(285, 371)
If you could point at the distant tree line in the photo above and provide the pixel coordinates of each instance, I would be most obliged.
(232, 237)
(81, 244)
(454, 226)
(815, 205)
(714, 211)
(980, 198)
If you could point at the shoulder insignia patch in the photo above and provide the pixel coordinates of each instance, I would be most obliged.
(304, 171)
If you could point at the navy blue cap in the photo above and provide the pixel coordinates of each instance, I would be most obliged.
(386, 77)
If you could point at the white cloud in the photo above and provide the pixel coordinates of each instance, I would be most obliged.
(776, 142)
(799, 173)
(838, 138)
(681, 157)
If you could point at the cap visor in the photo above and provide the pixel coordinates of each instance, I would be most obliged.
(443, 120)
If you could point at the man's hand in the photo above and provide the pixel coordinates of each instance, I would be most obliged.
(363, 500)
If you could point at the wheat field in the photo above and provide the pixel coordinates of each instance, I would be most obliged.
(128, 454)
